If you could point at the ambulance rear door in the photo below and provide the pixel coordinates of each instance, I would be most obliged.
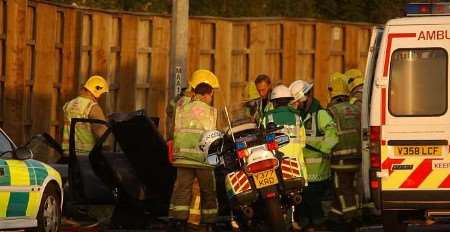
(375, 40)
(414, 118)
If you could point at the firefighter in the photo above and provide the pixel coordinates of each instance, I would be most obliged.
(355, 82)
(321, 137)
(264, 87)
(346, 155)
(191, 121)
(85, 106)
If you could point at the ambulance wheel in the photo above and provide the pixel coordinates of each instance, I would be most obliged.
(49, 215)
(393, 222)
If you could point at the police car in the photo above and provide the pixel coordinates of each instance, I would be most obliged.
(30, 191)
(405, 116)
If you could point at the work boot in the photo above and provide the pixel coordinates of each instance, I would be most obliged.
(176, 226)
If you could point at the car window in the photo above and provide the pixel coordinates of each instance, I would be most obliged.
(5, 144)
(418, 82)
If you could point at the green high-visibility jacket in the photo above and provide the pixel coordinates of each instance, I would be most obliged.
(79, 107)
(321, 137)
(348, 125)
(191, 121)
(293, 126)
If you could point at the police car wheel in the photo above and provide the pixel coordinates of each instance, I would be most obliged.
(49, 216)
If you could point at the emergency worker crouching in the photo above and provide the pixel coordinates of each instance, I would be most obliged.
(321, 137)
(346, 155)
(285, 115)
(191, 121)
(85, 106)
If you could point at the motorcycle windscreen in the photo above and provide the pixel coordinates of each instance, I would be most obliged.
(146, 150)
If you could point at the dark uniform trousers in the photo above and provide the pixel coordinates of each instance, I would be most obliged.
(345, 180)
(182, 194)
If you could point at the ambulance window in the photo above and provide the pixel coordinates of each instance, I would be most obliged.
(418, 82)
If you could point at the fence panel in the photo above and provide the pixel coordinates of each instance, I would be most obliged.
(52, 49)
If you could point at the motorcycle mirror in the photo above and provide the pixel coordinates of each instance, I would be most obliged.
(213, 159)
(272, 127)
(282, 140)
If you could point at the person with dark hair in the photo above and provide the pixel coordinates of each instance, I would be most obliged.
(264, 88)
(191, 121)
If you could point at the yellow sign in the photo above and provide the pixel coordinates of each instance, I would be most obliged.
(266, 178)
(418, 150)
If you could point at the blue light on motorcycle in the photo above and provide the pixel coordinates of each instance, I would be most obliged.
(241, 145)
(270, 137)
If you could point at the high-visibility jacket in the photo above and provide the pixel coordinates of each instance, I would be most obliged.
(321, 137)
(261, 110)
(348, 121)
(191, 121)
(293, 126)
(175, 103)
(80, 107)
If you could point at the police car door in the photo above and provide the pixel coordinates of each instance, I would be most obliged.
(414, 116)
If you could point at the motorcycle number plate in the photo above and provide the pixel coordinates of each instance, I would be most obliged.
(266, 178)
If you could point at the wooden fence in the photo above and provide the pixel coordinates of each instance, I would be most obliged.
(47, 51)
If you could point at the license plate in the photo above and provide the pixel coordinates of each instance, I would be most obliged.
(418, 150)
(266, 178)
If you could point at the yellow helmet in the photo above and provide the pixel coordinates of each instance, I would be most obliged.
(97, 85)
(354, 78)
(337, 85)
(204, 76)
(251, 93)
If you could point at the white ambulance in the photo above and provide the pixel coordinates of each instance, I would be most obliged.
(406, 116)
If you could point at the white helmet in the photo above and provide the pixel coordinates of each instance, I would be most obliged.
(208, 138)
(280, 91)
(299, 89)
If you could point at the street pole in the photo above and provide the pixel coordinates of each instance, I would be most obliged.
(178, 46)
(178, 50)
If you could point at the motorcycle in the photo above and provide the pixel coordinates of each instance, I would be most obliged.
(261, 184)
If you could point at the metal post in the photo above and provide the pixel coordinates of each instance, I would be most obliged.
(178, 54)
(178, 46)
